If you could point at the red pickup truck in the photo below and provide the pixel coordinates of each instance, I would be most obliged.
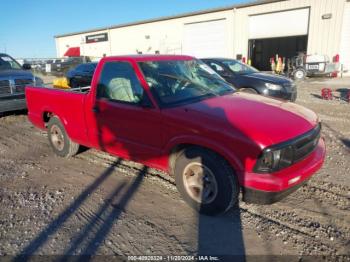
(175, 114)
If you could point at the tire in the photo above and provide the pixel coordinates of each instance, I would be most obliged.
(248, 90)
(222, 187)
(299, 74)
(61, 144)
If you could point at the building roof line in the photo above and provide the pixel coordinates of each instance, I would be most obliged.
(206, 11)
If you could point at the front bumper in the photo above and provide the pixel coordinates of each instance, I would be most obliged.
(269, 188)
(12, 105)
(266, 197)
(290, 96)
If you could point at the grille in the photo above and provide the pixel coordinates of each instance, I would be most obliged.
(306, 144)
(5, 87)
(21, 84)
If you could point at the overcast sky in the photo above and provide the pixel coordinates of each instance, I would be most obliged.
(27, 27)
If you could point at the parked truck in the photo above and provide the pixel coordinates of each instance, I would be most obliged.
(175, 114)
(13, 81)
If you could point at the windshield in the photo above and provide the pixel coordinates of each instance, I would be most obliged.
(8, 63)
(239, 68)
(183, 81)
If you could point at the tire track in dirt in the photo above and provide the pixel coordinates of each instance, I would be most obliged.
(324, 233)
(124, 234)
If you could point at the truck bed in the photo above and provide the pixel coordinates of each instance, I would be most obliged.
(67, 104)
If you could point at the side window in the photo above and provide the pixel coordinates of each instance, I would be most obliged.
(118, 82)
(217, 67)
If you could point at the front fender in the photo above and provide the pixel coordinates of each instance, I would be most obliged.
(229, 155)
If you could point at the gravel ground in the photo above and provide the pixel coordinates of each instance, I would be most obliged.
(97, 204)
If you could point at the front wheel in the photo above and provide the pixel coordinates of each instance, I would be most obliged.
(61, 144)
(206, 181)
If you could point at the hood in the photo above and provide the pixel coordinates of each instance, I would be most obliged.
(264, 120)
(268, 78)
(14, 73)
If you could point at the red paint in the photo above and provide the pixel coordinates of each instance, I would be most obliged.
(237, 126)
(336, 58)
(326, 94)
(72, 51)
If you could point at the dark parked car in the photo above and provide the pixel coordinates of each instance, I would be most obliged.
(13, 80)
(81, 75)
(249, 79)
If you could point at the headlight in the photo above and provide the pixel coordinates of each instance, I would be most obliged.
(273, 87)
(272, 160)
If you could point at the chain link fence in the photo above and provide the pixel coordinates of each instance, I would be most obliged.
(49, 69)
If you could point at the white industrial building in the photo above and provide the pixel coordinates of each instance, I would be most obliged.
(256, 30)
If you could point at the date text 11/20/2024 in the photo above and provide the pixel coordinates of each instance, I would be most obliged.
(173, 258)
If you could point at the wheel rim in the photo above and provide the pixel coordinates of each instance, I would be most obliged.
(57, 137)
(200, 183)
(299, 74)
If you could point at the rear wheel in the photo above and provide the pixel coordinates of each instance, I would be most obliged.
(206, 181)
(61, 144)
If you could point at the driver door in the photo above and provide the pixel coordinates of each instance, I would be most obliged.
(123, 124)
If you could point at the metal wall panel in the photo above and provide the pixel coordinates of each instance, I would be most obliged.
(345, 39)
(205, 39)
(279, 24)
(323, 34)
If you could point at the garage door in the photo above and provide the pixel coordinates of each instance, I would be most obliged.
(279, 24)
(345, 38)
(205, 39)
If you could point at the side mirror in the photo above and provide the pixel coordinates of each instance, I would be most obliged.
(26, 66)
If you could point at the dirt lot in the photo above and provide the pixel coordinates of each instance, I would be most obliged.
(98, 204)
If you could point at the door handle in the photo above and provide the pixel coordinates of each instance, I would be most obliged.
(96, 109)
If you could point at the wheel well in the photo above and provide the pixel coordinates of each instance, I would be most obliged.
(47, 116)
(248, 87)
(178, 148)
(173, 155)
